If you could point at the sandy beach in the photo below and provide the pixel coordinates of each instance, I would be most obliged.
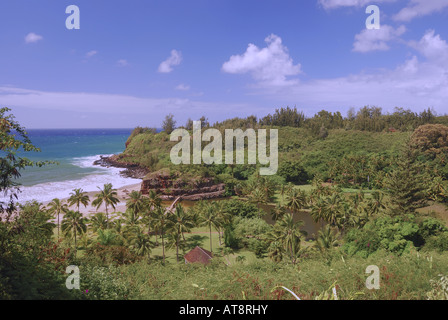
(122, 195)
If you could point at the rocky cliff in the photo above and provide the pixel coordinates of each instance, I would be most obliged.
(172, 185)
(168, 185)
(131, 170)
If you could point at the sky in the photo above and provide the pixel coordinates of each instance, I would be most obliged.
(131, 63)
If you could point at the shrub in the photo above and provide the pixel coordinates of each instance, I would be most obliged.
(439, 242)
(395, 235)
(292, 171)
(240, 208)
(259, 247)
(103, 283)
(230, 240)
(243, 172)
(229, 182)
(439, 289)
(431, 227)
(106, 255)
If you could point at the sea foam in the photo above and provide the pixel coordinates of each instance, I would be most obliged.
(61, 189)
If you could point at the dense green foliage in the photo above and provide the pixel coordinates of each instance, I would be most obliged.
(32, 265)
(366, 176)
(406, 277)
(13, 140)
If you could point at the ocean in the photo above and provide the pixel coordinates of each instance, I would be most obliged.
(75, 150)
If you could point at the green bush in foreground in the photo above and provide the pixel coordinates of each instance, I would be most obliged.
(401, 277)
(397, 235)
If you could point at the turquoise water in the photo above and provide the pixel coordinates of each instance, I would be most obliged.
(75, 150)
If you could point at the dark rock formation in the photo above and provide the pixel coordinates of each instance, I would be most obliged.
(131, 170)
(171, 186)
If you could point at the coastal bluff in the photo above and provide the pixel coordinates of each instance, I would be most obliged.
(169, 185)
(173, 185)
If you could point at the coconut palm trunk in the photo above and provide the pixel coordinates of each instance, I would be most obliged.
(177, 248)
(59, 225)
(211, 250)
(163, 247)
(107, 218)
(76, 246)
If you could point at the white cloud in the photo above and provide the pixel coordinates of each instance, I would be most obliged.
(114, 104)
(432, 47)
(32, 38)
(182, 87)
(334, 4)
(173, 60)
(270, 65)
(418, 8)
(91, 53)
(376, 39)
(412, 84)
(122, 63)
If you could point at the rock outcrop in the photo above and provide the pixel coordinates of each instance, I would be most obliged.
(131, 170)
(171, 186)
(168, 185)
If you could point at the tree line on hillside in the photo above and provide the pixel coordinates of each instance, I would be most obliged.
(368, 118)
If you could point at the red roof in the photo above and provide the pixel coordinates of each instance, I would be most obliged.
(198, 255)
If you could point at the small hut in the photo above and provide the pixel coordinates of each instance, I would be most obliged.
(198, 255)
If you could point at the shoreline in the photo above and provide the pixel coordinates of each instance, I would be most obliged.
(122, 194)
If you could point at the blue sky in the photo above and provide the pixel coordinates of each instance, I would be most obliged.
(133, 62)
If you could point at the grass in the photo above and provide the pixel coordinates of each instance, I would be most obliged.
(200, 237)
(404, 277)
(436, 210)
(197, 237)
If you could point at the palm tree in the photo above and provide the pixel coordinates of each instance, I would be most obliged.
(131, 223)
(326, 238)
(289, 187)
(333, 209)
(436, 189)
(108, 196)
(295, 200)
(106, 237)
(268, 186)
(283, 188)
(276, 251)
(56, 207)
(161, 222)
(222, 217)
(75, 223)
(258, 196)
(278, 212)
(377, 203)
(318, 211)
(288, 232)
(136, 202)
(152, 203)
(141, 244)
(207, 218)
(98, 222)
(360, 215)
(154, 200)
(181, 222)
(78, 196)
(249, 187)
(85, 241)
